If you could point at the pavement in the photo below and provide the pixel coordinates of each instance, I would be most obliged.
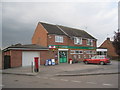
(64, 69)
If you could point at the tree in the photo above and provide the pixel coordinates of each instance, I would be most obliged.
(116, 41)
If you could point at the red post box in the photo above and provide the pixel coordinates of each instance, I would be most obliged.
(70, 61)
(36, 61)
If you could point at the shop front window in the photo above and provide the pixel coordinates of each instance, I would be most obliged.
(76, 52)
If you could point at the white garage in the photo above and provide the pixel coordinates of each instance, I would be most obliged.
(28, 57)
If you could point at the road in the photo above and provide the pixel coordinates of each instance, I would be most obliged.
(47, 79)
(98, 81)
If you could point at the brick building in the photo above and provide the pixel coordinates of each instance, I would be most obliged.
(22, 55)
(51, 42)
(111, 53)
(64, 42)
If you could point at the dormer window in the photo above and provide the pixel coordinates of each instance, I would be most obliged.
(90, 42)
(59, 39)
(77, 40)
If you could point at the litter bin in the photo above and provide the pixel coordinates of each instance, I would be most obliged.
(49, 62)
(53, 61)
(46, 63)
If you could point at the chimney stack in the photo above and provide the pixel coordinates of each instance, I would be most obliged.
(108, 38)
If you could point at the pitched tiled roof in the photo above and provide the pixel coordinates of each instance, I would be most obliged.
(26, 47)
(76, 32)
(52, 29)
(62, 30)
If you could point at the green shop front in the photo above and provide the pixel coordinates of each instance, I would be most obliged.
(64, 53)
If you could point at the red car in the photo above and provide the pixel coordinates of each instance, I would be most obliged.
(98, 59)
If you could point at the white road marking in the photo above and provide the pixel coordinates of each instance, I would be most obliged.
(42, 77)
(45, 77)
(91, 82)
(107, 84)
(64, 80)
(53, 79)
(76, 81)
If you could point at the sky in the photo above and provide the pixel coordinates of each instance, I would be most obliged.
(19, 19)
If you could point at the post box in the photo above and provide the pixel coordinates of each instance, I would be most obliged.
(36, 61)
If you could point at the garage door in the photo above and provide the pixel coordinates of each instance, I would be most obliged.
(28, 57)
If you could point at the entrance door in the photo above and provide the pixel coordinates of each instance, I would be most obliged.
(62, 56)
(6, 62)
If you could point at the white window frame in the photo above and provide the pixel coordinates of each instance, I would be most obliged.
(77, 40)
(59, 39)
(90, 42)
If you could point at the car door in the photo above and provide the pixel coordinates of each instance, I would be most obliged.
(97, 59)
(90, 60)
(94, 60)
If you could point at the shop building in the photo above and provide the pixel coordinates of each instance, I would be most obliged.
(64, 43)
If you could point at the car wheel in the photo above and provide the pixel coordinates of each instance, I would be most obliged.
(102, 63)
(86, 62)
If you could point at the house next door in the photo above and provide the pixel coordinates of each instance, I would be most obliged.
(62, 56)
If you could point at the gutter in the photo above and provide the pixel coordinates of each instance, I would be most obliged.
(22, 49)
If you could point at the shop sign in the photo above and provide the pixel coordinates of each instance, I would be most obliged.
(70, 47)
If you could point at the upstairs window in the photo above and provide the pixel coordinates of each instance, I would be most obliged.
(77, 40)
(90, 42)
(59, 39)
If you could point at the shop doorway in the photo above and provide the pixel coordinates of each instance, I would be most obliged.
(62, 56)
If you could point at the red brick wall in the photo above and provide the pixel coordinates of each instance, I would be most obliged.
(16, 58)
(7, 53)
(40, 36)
(67, 41)
(51, 40)
(44, 55)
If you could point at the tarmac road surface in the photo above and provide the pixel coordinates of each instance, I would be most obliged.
(98, 81)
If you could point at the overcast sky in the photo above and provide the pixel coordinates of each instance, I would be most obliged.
(19, 19)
